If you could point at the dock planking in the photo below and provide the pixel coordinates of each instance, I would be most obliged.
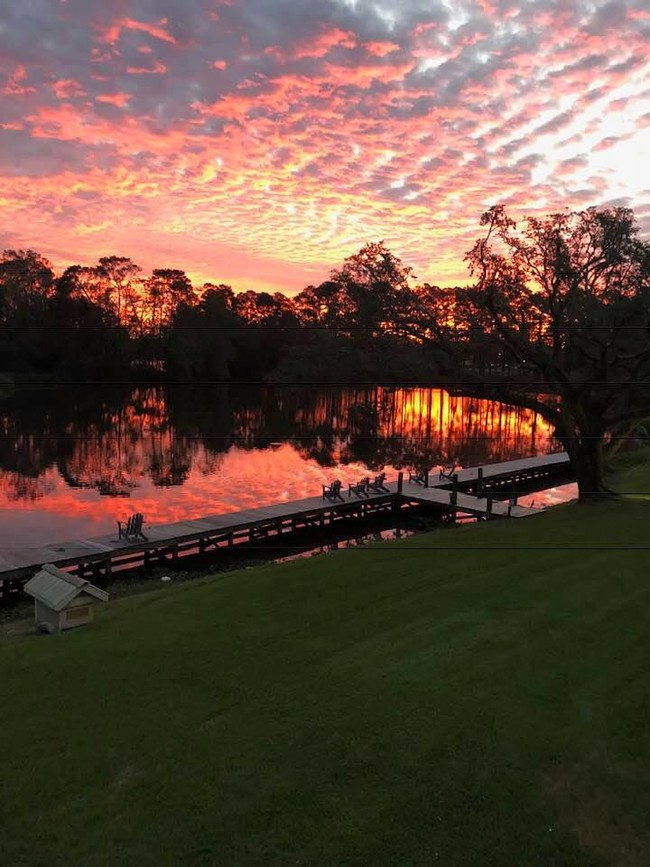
(99, 554)
(269, 517)
(466, 504)
(507, 470)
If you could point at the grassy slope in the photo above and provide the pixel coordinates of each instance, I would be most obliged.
(405, 704)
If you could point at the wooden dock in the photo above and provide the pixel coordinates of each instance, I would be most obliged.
(508, 474)
(100, 555)
(482, 508)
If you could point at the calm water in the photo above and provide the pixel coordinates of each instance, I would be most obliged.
(73, 461)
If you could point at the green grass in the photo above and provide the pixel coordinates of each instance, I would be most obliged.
(477, 696)
(6, 386)
(631, 473)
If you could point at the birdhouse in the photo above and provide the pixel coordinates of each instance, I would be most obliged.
(62, 600)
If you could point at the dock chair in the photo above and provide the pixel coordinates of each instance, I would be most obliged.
(378, 483)
(131, 529)
(333, 491)
(420, 477)
(447, 474)
(361, 487)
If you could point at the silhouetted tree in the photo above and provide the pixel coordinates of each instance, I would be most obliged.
(26, 282)
(200, 343)
(265, 334)
(373, 289)
(566, 300)
(26, 285)
(122, 288)
(165, 291)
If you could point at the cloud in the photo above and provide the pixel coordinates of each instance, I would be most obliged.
(284, 134)
(22, 155)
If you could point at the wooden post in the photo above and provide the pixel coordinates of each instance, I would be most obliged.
(479, 483)
(426, 478)
(489, 506)
(454, 480)
(400, 482)
(453, 496)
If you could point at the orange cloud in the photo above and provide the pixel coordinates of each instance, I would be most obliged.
(113, 33)
(66, 88)
(118, 99)
(380, 49)
(158, 69)
(15, 85)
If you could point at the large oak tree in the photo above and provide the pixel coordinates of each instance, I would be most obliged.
(566, 300)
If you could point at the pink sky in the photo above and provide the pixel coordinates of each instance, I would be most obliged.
(260, 142)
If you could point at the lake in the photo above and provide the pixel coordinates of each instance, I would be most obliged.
(73, 460)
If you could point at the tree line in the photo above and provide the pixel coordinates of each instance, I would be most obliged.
(110, 321)
(557, 319)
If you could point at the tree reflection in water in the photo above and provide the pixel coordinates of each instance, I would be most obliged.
(117, 443)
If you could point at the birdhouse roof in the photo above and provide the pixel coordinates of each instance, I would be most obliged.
(56, 588)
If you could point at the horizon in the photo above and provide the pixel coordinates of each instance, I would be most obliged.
(259, 144)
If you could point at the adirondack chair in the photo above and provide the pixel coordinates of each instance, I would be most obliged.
(378, 483)
(420, 477)
(361, 487)
(132, 528)
(333, 491)
(447, 474)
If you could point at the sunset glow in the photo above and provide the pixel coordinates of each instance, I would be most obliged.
(259, 143)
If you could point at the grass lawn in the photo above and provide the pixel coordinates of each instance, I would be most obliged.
(475, 696)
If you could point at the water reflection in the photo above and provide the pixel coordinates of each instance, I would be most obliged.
(71, 462)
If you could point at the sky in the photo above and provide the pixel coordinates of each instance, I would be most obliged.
(260, 142)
